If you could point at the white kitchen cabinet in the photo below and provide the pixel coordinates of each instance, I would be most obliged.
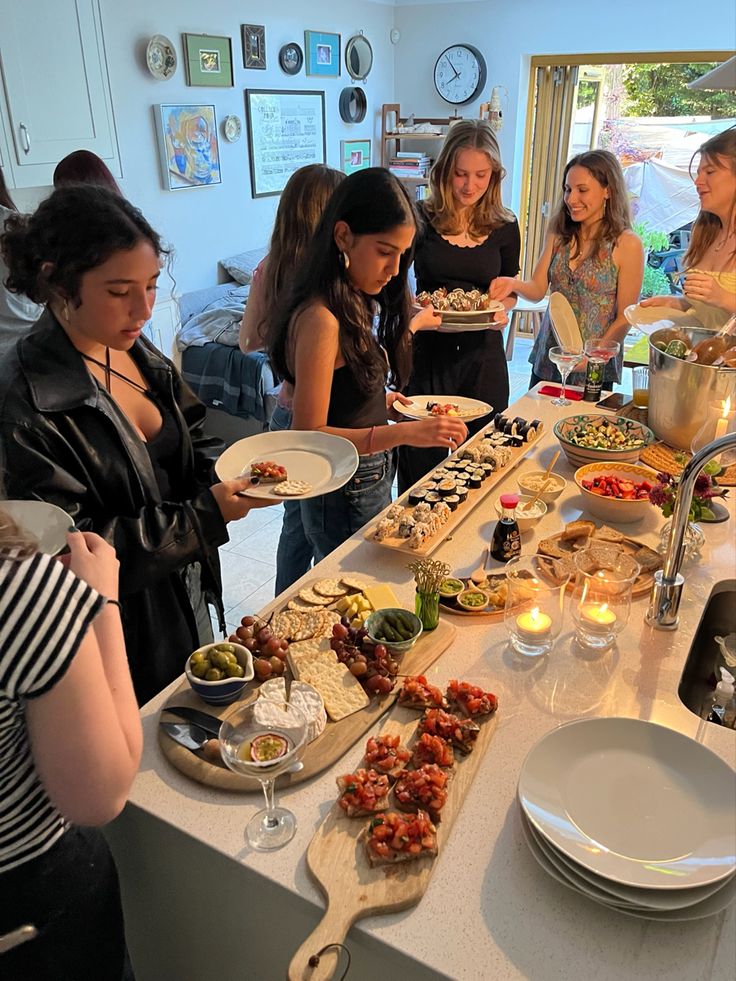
(55, 94)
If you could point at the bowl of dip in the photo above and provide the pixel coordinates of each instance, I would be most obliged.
(472, 600)
(530, 482)
(526, 519)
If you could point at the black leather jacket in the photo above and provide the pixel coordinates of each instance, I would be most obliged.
(64, 440)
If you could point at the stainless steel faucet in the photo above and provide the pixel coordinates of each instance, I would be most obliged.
(668, 581)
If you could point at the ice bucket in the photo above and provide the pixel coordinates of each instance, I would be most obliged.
(680, 391)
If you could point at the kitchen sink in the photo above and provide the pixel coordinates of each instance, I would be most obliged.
(719, 617)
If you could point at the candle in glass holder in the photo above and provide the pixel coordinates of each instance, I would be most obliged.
(597, 618)
(534, 626)
(722, 424)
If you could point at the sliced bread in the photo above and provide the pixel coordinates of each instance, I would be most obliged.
(577, 529)
(548, 546)
(607, 534)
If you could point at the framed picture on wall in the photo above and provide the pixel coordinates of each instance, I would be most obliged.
(209, 60)
(188, 147)
(355, 155)
(286, 131)
(322, 52)
(254, 45)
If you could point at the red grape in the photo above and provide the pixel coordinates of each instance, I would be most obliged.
(262, 668)
(277, 665)
(340, 631)
(373, 683)
(263, 635)
(272, 646)
(248, 621)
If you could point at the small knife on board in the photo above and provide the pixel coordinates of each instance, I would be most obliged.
(210, 723)
(186, 734)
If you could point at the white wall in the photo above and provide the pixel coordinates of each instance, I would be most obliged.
(205, 224)
(509, 33)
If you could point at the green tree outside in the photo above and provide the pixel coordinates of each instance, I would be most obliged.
(661, 90)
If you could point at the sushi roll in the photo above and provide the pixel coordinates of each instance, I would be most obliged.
(461, 480)
(384, 529)
(442, 511)
(487, 468)
(395, 512)
(452, 502)
(520, 422)
(406, 526)
(538, 425)
(431, 485)
(527, 433)
(432, 497)
(446, 487)
(421, 510)
(419, 535)
(416, 496)
(474, 481)
(461, 494)
(499, 420)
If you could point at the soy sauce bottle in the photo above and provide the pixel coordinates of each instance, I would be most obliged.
(506, 541)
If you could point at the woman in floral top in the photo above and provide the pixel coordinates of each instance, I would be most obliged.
(591, 256)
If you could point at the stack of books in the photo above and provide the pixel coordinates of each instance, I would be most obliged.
(410, 164)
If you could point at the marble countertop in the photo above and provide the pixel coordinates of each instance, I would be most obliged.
(490, 911)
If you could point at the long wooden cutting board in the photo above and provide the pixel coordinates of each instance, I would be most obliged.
(353, 888)
(327, 749)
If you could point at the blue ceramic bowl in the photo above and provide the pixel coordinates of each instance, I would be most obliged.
(225, 691)
(566, 429)
(373, 623)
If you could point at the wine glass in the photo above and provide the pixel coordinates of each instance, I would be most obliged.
(263, 738)
(598, 350)
(565, 358)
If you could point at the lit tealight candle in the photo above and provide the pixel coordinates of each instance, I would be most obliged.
(722, 424)
(534, 626)
(597, 618)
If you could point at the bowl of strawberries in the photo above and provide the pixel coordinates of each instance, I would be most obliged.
(618, 493)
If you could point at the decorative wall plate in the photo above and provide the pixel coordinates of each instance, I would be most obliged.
(232, 128)
(161, 59)
(291, 58)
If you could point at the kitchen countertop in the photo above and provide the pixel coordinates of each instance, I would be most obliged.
(489, 911)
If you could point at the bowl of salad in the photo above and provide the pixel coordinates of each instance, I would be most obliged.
(618, 492)
(597, 437)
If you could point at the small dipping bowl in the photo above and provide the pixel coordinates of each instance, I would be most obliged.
(472, 600)
(451, 587)
(374, 623)
(228, 689)
(530, 482)
(526, 519)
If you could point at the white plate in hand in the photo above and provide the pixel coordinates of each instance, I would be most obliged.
(469, 409)
(649, 319)
(454, 321)
(45, 523)
(323, 461)
(634, 802)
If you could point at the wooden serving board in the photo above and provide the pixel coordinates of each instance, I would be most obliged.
(642, 584)
(474, 498)
(662, 457)
(326, 749)
(489, 613)
(354, 888)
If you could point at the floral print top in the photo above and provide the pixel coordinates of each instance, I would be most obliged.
(591, 291)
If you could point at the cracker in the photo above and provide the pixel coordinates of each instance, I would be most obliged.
(283, 624)
(353, 583)
(309, 596)
(298, 664)
(292, 488)
(329, 587)
(314, 645)
(307, 624)
(298, 605)
(341, 691)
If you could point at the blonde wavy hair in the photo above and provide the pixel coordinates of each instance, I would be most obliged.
(14, 542)
(441, 208)
(720, 151)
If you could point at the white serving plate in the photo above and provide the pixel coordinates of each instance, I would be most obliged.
(325, 461)
(649, 319)
(715, 903)
(161, 58)
(469, 409)
(633, 802)
(47, 523)
(454, 321)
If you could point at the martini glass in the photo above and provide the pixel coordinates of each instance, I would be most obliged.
(565, 358)
(598, 350)
(264, 738)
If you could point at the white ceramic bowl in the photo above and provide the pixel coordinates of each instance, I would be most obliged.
(227, 690)
(616, 510)
(526, 521)
(556, 486)
(580, 455)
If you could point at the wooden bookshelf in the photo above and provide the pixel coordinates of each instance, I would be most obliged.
(391, 141)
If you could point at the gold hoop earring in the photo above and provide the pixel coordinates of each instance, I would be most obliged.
(345, 259)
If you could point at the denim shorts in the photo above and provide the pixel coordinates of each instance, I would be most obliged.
(331, 519)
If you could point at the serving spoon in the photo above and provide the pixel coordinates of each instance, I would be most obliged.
(545, 482)
(480, 575)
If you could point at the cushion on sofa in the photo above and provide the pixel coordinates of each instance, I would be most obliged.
(241, 266)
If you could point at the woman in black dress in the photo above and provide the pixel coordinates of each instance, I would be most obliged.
(469, 239)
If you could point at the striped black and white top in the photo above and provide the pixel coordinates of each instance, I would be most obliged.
(44, 613)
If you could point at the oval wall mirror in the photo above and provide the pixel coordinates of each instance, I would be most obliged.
(358, 57)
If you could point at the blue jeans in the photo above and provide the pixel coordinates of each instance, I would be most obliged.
(331, 519)
(294, 552)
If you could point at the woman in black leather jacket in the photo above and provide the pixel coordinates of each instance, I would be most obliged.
(95, 420)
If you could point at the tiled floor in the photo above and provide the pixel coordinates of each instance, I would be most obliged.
(249, 558)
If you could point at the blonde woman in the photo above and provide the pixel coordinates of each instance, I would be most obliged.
(469, 239)
(591, 256)
(710, 261)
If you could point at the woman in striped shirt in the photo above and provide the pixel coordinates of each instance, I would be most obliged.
(70, 744)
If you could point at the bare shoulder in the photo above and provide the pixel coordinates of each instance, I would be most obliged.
(629, 244)
(314, 316)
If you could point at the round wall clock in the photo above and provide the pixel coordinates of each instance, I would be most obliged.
(353, 105)
(460, 74)
(291, 58)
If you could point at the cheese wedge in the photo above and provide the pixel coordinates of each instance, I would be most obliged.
(381, 596)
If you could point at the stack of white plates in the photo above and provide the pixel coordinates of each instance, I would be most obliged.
(632, 815)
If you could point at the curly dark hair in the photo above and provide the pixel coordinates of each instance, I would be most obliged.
(74, 230)
(370, 201)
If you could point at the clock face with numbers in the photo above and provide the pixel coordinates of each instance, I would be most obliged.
(460, 74)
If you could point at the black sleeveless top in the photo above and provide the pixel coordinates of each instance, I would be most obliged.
(349, 408)
(163, 451)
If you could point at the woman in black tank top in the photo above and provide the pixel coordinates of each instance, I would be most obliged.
(343, 334)
(469, 240)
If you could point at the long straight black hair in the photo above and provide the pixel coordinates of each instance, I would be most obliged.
(370, 202)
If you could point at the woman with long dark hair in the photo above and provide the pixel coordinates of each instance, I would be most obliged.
(591, 256)
(94, 419)
(17, 312)
(343, 332)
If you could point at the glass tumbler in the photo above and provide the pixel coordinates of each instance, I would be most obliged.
(602, 598)
(534, 605)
